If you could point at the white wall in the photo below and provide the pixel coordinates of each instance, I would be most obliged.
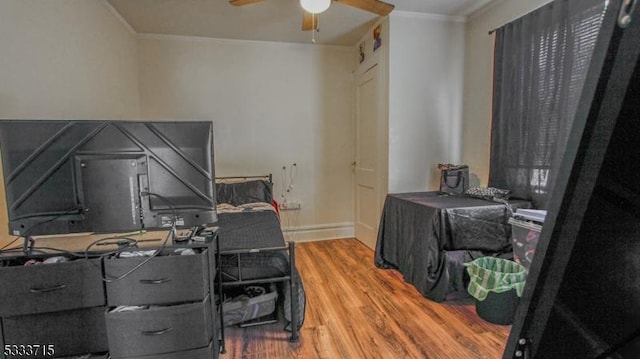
(66, 59)
(478, 85)
(272, 104)
(425, 98)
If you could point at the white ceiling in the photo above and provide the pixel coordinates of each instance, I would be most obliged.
(271, 20)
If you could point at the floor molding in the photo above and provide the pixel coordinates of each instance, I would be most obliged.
(319, 232)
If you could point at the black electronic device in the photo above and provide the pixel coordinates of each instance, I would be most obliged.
(107, 176)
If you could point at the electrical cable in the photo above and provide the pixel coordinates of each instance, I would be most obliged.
(26, 231)
(291, 220)
(85, 255)
(48, 250)
(293, 172)
(10, 243)
(133, 243)
(12, 250)
(166, 200)
(69, 211)
(139, 265)
(283, 185)
(104, 255)
(170, 234)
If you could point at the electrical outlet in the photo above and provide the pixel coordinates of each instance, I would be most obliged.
(290, 205)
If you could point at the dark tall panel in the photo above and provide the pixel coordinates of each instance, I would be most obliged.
(582, 298)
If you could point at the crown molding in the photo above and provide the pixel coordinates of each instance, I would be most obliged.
(117, 15)
(281, 44)
(483, 8)
(421, 15)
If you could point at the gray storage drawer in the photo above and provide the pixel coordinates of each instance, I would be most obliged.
(200, 353)
(159, 330)
(162, 280)
(51, 287)
(71, 332)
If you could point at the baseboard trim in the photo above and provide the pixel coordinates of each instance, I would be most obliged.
(319, 232)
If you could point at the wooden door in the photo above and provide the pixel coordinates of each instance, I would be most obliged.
(369, 151)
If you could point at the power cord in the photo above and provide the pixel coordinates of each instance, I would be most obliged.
(25, 235)
(171, 234)
(288, 181)
(10, 243)
(123, 242)
(139, 265)
(293, 172)
(283, 185)
(172, 206)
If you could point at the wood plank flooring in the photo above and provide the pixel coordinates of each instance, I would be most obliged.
(355, 310)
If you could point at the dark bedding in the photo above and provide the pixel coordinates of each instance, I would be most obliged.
(249, 229)
(258, 229)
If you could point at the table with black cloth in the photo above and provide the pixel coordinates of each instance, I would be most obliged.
(428, 236)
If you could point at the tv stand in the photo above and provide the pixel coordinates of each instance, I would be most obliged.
(60, 304)
(69, 306)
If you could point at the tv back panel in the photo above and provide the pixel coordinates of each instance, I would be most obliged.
(106, 176)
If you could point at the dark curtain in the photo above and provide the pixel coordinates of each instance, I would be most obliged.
(540, 65)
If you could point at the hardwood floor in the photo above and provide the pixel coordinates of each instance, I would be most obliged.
(355, 310)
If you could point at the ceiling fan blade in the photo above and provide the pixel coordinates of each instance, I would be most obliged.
(243, 2)
(309, 21)
(375, 6)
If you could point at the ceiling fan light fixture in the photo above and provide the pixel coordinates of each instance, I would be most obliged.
(315, 6)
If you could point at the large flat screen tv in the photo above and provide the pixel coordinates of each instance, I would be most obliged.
(106, 176)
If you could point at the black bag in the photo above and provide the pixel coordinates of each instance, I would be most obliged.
(453, 178)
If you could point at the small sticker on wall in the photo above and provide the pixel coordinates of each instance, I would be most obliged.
(377, 38)
(361, 51)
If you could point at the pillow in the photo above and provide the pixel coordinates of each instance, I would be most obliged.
(238, 193)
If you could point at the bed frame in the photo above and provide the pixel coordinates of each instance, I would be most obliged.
(233, 281)
(268, 178)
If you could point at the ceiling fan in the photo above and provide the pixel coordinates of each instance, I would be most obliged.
(314, 7)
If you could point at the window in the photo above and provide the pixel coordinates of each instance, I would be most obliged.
(541, 61)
